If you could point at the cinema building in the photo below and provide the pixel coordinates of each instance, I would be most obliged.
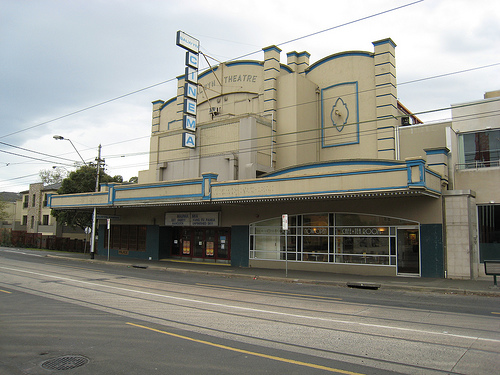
(366, 187)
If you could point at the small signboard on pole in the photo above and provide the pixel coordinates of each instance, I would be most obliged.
(284, 221)
(284, 225)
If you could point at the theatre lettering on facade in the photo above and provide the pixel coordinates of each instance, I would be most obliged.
(367, 187)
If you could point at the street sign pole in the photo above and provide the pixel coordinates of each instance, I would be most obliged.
(109, 234)
(284, 221)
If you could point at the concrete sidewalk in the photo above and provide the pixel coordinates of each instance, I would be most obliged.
(482, 286)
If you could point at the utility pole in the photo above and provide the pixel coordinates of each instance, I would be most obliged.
(94, 214)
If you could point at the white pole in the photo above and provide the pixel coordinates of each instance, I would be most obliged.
(109, 234)
(94, 214)
(284, 226)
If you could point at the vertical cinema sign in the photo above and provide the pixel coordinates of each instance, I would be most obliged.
(192, 46)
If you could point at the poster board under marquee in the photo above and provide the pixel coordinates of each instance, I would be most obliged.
(192, 219)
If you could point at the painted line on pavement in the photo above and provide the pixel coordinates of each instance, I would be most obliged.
(268, 291)
(306, 317)
(256, 354)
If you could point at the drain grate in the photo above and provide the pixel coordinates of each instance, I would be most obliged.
(66, 362)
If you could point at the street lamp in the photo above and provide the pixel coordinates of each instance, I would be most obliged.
(94, 213)
(59, 138)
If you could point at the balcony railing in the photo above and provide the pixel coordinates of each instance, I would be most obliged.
(477, 164)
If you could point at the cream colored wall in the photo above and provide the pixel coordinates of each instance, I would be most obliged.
(79, 200)
(478, 115)
(414, 139)
(462, 248)
(236, 89)
(344, 69)
(485, 182)
(297, 129)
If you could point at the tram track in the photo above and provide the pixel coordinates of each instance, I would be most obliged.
(161, 321)
(321, 308)
(121, 282)
(120, 292)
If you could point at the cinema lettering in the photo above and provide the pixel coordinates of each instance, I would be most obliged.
(190, 88)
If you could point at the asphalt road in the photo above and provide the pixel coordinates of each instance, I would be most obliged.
(108, 319)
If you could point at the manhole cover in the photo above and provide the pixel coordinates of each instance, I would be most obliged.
(65, 362)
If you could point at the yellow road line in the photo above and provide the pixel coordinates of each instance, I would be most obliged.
(496, 313)
(5, 291)
(270, 292)
(272, 357)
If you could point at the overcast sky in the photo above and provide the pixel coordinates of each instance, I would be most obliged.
(62, 62)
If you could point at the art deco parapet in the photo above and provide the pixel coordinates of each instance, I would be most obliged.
(339, 179)
(336, 179)
(180, 191)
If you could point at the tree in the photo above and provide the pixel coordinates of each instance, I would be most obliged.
(83, 180)
(53, 176)
(3, 212)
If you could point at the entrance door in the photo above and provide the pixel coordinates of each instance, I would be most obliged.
(199, 243)
(408, 251)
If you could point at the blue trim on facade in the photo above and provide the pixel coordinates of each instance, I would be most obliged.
(207, 72)
(380, 85)
(388, 94)
(271, 68)
(244, 62)
(436, 164)
(337, 56)
(316, 193)
(386, 105)
(334, 163)
(355, 83)
(385, 63)
(287, 68)
(159, 185)
(437, 152)
(384, 41)
(170, 101)
(271, 48)
(270, 60)
(158, 198)
(385, 74)
(294, 53)
(270, 79)
(385, 53)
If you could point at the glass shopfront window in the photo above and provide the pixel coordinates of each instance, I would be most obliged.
(330, 238)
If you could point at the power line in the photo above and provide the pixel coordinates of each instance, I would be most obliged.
(35, 152)
(278, 145)
(87, 108)
(333, 28)
(172, 79)
(448, 74)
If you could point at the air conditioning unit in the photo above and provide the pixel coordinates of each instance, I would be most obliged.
(405, 120)
(214, 111)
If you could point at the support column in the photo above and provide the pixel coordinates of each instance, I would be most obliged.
(386, 98)
(271, 73)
